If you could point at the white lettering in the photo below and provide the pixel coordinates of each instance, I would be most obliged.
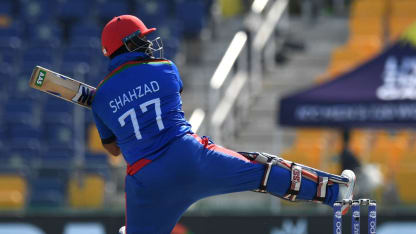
(118, 102)
(139, 88)
(113, 106)
(147, 89)
(125, 99)
(155, 86)
(133, 94)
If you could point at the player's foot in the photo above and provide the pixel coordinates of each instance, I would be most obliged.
(346, 190)
(122, 230)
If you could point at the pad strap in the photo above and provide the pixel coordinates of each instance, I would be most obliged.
(321, 190)
(296, 181)
(321, 178)
(263, 185)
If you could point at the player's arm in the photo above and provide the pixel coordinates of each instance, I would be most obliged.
(177, 77)
(108, 139)
(111, 146)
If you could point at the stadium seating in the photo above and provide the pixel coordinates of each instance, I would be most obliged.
(87, 192)
(19, 110)
(34, 11)
(73, 10)
(94, 140)
(359, 143)
(406, 186)
(6, 8)
(388, 150)
(36, 130)
(307, 148)
(403, 178)
(107, 9)
(192, 15)
(368, 8)
(13, 192)
(367, 32)
(46, 34)
(401, 17)
(59, 134)
(47, 192)
(231, 8)
(150, 11)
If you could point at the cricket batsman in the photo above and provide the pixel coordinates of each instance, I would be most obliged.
(137, 109)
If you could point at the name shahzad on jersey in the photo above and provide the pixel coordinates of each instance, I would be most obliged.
(133, 94)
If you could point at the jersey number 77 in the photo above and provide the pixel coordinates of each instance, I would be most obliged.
(143, 107)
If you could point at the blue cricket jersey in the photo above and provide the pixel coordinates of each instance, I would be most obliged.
(139, 105)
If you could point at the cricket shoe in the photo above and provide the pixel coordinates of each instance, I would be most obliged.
(122, 230)
(346, 190)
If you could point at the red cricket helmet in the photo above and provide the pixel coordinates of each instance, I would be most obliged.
(117, 29)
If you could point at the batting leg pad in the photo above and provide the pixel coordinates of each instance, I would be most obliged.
(298, 173)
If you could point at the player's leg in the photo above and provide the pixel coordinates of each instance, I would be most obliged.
(226, 171)
(150, 210)
(191, 169)
(299, 173)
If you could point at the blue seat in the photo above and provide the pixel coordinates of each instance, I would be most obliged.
(46, 53)
(76, 55)
(5, 156)
(28, 65)
(61, 172)
(24, 154)
(9, 57)
(11, 44)
(89, 44)
(46, 34)
(192, 14)
(15, 29)
(76, 62)
(73, 9)
(108, 9)
(47, 192)
(20, 105)
(172, 34)
(93, 80)
(96, 159)
(97, 163)
(153, 13)
(19, 110)
(42, 56)
(59, 134)
(33, 11)
(85, 30)
(18, 88)
(56, 105)
(24, 132)
(5, 73)
(6, 7)
(56, 157)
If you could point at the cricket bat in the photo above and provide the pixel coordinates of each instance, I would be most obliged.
(62, 86)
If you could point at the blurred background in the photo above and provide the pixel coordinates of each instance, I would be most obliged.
(242, 63)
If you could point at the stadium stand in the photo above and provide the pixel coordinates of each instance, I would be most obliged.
(86, 193)
(69, 42)
(13, 192)
(37, 131)
(373, 25)
(47, 192)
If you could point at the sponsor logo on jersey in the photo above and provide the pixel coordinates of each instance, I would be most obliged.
(40, 78)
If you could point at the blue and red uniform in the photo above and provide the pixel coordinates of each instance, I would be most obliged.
(138, 105)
